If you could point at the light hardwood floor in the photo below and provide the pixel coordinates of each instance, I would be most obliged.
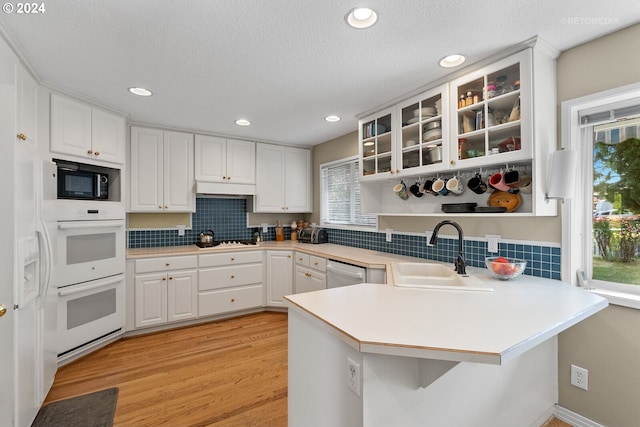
(227, 373)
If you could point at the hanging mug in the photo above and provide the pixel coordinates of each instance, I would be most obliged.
(401, 190)
(512, 178)
(476, 184)
(455, 185)
(497, 181)
(415, 189)
(440, 186)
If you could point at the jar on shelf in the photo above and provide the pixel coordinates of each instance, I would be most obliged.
(461, 102)
(469, 99)
(491, 90)
(462, 148)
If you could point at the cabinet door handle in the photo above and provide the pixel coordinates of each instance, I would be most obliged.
(228, 178)
(89, 152)
(164, 278)
(233, 300)
(315, 263)
(166, 264)
(288, 256)
(170, 278)
(233, 259)
(233, 277)
(166, 206)
(96, 153)
(22, 136)
(307, 274)
(159, 206)
(453, 162)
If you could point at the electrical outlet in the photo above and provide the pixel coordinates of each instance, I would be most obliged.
(265, 227)
(579, 377)
(492, 243)
(389, 231)
(353, 376)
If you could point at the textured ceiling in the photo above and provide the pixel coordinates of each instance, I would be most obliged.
(283, 64)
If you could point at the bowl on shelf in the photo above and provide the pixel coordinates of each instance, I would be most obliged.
(504, 268)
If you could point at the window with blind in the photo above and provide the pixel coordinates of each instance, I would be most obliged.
(340, 199)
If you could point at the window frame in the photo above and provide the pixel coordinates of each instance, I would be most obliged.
(577, 211)
(354, 161)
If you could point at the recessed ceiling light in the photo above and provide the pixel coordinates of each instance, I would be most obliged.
(332, 118)
(140, 91)
(361, 17)
(452, 60)
(243, 122)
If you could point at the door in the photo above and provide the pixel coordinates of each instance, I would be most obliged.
(70, 127)
(210, 159)
(279, 277)
(151, 299)
(270, 174)
(147, 182)
(182, 295)
(107, 136)
(178, 172)
(297, 185)
(241, 162)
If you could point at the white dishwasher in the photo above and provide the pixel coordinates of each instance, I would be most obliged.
(343, 274)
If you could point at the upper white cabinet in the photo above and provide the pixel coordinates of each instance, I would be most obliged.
(406, 139)
(497, 117)
(225, 166)
(82, 131)
(26, 112)
(491, 121)
(283, 179)
(225, 160)
(161, 171)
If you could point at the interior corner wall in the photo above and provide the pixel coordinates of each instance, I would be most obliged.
(607, 344)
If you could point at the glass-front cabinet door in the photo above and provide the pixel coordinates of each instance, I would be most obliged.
(491, 113)
(377, 145)
(424, 132)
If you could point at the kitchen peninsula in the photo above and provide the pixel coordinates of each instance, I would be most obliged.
(379, 355)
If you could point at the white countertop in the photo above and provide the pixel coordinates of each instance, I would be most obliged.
(483, 327)
(362, 257)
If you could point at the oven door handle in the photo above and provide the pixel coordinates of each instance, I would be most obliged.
(70, 290)
(90, 224)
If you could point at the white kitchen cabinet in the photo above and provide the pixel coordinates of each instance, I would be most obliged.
(26, 111)
(229, 161)
(230, 281)
(166, 290)
(511, 128)
(483, 130)
(82, 131)
(310, 273)
(279, 277)
(161, 171)
(283, 179)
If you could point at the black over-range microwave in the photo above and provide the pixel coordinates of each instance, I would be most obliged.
(76, 183)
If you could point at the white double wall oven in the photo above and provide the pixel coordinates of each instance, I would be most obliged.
(90, 264)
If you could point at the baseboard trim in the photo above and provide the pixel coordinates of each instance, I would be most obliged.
(570, 417)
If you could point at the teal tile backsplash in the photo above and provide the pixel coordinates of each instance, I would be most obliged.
(227, 218)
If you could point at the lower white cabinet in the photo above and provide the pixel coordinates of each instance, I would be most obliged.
(166, 290)
(229, 282)
(310, 273)
(279, 277)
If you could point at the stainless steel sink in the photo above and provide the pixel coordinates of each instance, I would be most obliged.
(433, 276)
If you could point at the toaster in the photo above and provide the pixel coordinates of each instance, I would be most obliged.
(313, 235)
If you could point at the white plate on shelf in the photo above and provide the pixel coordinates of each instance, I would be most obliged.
(413, 120)
(432, 134)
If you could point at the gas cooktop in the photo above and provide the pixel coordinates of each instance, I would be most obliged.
(225, 244)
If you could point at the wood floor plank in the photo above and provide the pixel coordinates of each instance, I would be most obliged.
(229, 373)
(226, 373)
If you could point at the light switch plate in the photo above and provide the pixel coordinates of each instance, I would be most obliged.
(389, 232)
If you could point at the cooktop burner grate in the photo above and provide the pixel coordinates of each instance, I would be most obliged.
(225, 243)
